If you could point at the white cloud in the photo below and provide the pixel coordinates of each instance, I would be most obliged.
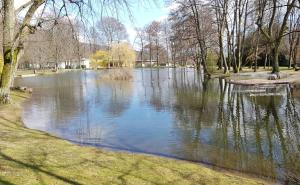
(170, 7)
(131, 33)
(166, 11)
(162, 18)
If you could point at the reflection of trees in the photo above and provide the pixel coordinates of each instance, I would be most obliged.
(195, 102)
(68, 104)
(155, 88)
(156, 94)
(267, 134)
(228, 128)
(296, 93)
(118, 94)
(57, 99)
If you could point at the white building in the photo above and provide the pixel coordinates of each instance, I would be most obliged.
(85, 63)
(73, 64)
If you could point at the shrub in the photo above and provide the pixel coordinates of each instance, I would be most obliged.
(117, 74)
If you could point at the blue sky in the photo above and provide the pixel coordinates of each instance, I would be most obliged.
(143, 14)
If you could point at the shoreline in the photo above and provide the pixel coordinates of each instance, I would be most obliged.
(216, 168)
(30, 73)
(201, 172)
(261, 78)
(247, 78)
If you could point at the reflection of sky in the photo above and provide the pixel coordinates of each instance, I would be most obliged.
(150, 115)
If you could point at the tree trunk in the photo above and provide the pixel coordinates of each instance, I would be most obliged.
(142, 58)
(10, 54)
(157, 53)
(266, 57)
(223, 58)
(197, 60)
(296, 49)
(256, 50)
(256, 56)
(223, 62)
(7, 76)
(290, 56)
(203, 58)
(275, 52)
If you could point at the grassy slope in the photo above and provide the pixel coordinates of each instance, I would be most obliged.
(33, 157)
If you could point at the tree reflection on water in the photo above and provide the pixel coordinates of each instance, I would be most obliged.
(217, 124)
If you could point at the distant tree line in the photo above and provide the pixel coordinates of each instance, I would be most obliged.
(153, 41)
(227, 34)
(51, 47)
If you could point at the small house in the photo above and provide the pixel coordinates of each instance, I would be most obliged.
(85, 63)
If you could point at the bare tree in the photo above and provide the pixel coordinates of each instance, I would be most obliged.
(293, 37)
(202, 17)
(267, 28)
(221, 9)
(112, 30)
(184, 46)
(152, 31)
(141, 36)
(165, 26)
(94, 38)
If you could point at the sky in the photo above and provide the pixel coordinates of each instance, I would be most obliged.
(142, 14)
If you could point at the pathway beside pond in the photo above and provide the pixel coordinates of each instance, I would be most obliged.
(33, 157)
(262, 78)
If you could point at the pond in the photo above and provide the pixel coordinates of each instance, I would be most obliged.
(173, 113)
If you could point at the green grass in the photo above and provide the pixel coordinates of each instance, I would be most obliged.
(42, 71)
(33, 157)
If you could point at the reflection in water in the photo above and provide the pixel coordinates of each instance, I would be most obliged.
(119, 96)
(175, 113)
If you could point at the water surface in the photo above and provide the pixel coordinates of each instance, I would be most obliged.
(174, 113)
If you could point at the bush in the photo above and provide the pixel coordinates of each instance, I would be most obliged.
(117, 74)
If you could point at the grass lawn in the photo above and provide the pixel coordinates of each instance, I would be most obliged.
(42, 71)
(33, 157)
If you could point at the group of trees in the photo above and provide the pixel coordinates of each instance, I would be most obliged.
(153, 41)
(240, 32)
(110, 32)
(20, 22)
(54, 45)
(118, 55)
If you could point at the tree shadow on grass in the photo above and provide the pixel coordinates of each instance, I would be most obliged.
(4, 182)
(36, 168)
(123, 173)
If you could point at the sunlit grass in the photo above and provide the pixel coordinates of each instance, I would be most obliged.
(33, 157)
